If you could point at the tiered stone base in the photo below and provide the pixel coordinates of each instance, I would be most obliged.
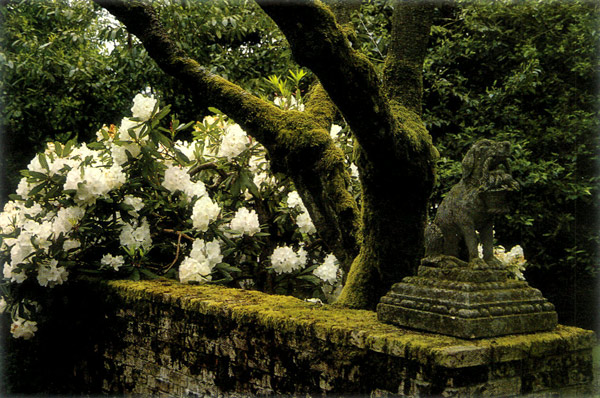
(451, 297)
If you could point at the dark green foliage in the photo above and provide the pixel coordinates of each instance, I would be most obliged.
(58, 81)
(524, 72)
(527, 72)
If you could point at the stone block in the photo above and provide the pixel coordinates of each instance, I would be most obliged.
(466, 302)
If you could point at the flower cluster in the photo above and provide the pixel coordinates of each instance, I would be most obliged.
(514, 260)
(178, 179)
(234, 142)
(285, 260)
(201, 261)
(303, 220)
(245, 222)
(130, 204)
(328, 271)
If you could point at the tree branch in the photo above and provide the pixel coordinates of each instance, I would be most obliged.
(317, 100)
(319, 105)
(141, 20)
(351, 81)
(403, 70)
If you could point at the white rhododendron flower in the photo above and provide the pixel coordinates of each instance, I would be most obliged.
(176, 178)
(91, 182)
(134, 236)
(258, 163)
(136, 203)
(49, 274)
(234, 142)
(334, 131)
(293, 200)
(328, 270)
(354, 171)
(35, 165)
(305, 223)
(282, 102)
(285, 260)
(32, 210)
(264, 179)
(514, 260)
(143, 106)
(201, 261)
(195, 189)
(303, 220)
(15, 275)
(187, 148)
(66, 218)
(70, 244)
(3, 305)
(114, 262)
(245, 222)
(204, 212)
(114, 177)
(119, 152)
(11, 216)
(192, 270)
(24, 188)
(23, 328)
(128, 128)
(21, 249)
(210, 251)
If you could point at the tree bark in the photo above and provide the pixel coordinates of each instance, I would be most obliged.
(396, 161)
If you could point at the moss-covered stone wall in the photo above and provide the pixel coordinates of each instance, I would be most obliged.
(161, 338)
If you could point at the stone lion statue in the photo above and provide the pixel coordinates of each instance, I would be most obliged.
(465, 217)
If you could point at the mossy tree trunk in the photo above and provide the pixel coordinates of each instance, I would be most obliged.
(382, 242)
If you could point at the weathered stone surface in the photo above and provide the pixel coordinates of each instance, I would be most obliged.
(464, 219)
(451, 297)
(227, 343)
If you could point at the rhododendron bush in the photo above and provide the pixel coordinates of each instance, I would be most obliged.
(139, 203)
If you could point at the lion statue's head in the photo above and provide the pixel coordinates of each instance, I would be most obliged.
(485, 168)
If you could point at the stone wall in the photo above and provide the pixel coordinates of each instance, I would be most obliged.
(161, 338)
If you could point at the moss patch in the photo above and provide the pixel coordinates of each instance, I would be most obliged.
(358, 328)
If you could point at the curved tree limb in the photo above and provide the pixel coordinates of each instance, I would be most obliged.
(142, 21)
(319, 105)
(298, 142)
(351, 81)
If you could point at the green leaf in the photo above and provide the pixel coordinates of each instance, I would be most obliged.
(68, 147)
(38, 188)
(161, 114)
(36, 175)
(182, 127)
(135, 275)
(149, 274)
(58, 148)
(227, 267)
(310, 278)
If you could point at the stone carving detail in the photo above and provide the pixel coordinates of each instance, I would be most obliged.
(465, 216)
(473, 298)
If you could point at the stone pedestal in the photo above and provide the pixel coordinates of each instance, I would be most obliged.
(466, 300)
